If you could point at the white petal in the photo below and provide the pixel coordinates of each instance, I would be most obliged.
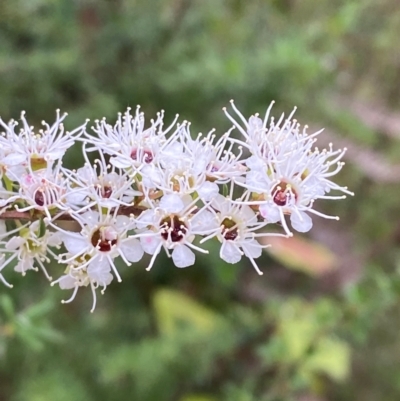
(270, 213)
(171, 203)
(301, 222)
(99, 270)
(24, 265)
(183, 256)
(150, 243)
(256, 181)
(15, 242)
(204, 221)
(145, 219)
(14, 159)
(252, 249)
(54, 239)
(120, 162)
(122, 222)
(85, 173)
(76, 197)
(230, 252)
(255, 125)
(55, 154)
(91, 217)
(254, 163)
(67, 282)
(208, 191)
(75, 244)
(132, 249)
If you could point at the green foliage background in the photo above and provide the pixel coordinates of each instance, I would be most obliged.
(217, 332)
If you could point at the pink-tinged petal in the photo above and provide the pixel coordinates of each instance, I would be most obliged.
(301, 222)
(182, 256)
(150, 243)
(132, 250)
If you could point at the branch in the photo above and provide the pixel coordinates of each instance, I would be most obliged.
(15, 215)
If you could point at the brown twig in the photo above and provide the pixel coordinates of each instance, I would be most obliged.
(15, 215)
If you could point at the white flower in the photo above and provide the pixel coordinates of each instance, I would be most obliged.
(99, 184)
(186, 166)
(76, 276)
(236, 230)
(30, 245)
(130, 145)
(39, 150)
(102, 238)
(173, 225)
(43, 190)
(286, 172)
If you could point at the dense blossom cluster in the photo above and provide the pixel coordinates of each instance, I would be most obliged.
(152, 189)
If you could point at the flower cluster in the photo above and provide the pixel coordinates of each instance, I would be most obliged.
(148, 189)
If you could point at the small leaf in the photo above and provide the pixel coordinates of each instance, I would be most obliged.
(7, 306)
(332, 357)
(174, 308)
(8, 184)
(297, 336)
(42, 229)
(196, 397)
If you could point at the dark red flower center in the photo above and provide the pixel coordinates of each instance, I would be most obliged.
(101, 241)
(174, 228)
(39, 198)
(282, 193)
(105, 191)
(229, 231)
(142, 155)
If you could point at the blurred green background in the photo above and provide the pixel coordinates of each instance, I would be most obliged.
(323, 322)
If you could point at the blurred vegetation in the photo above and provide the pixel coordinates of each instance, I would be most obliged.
(323, 322)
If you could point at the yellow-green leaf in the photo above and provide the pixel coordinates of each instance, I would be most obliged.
(195, 397)
(332, 357)
(173, 308)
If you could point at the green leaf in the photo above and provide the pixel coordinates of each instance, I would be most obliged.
(8, 184)
(194, 397)
(42, 229)
(297, 336)
(174, 310)
(332, 357)
(7, 306)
